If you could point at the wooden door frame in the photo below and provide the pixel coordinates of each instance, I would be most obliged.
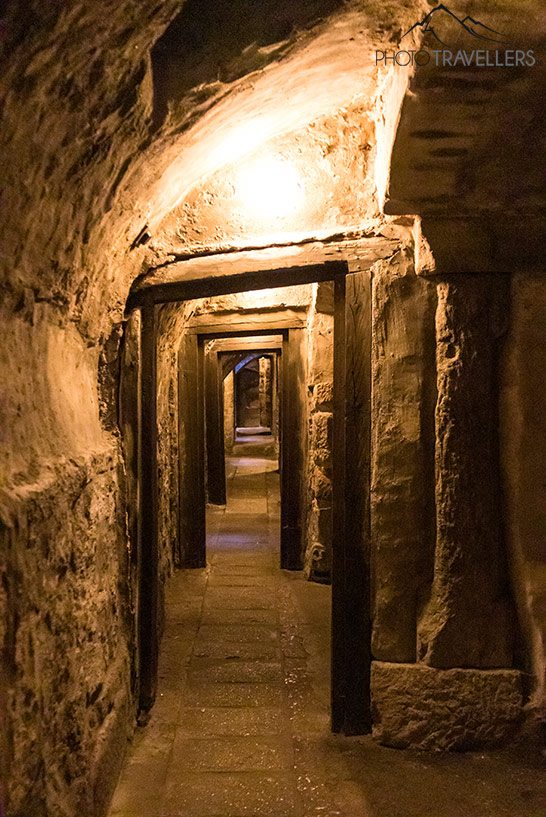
(191, 472)
(192, 479)
(291, 453)
(214, 430)
(351, 657)
(214, 407)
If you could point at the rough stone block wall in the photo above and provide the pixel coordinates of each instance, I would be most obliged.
(172, 323)
(229, 412)
(67, 607)
(167, 456)
(439, 569)
(402, 470)
(74, 108)
(317, 529)
(468, 618)
(66, 642)
(266, 392)
(444, 710)
(523, 454)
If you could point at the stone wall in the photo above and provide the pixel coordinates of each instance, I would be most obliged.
(317, 507)
(266, 391)
(172, 323)
(66, 610)
(443, 618)
(468, 618)
(523, 454)
(439, 571)
(67, 619)
(167, 451)
(229, 412)
(68, 133)
(402, 468)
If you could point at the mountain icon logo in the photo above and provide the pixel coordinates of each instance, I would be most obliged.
(441, 16)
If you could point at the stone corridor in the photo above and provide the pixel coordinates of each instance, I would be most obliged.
(241, 724)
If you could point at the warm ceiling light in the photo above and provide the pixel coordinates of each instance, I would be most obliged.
(269, 188)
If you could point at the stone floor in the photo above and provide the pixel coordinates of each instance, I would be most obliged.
(240, 727)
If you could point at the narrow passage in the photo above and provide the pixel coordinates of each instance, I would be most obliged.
(241, 723)
(244, 671)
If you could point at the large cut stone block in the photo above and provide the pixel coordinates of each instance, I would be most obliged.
(468, 620)
(402, 450)
(415, 706)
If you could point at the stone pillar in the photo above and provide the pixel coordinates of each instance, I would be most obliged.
(265, 392)
(402, 469)
(459, 692)
(229, 412)
(468, 619)
(319, 397)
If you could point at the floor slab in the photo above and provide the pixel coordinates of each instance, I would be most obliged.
(241, 723)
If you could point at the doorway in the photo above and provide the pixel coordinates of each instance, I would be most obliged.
(350, 705)
(200, 394)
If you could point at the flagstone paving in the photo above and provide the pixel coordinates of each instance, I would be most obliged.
(241, 723)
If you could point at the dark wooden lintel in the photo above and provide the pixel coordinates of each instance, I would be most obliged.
(252, 327)
(242, 282)
(239, 346)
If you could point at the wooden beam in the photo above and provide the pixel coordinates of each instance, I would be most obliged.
(148, 539)
(247, 327)
(339, 608)
(235, 322)
(252, 332)
(130, 426)
(242, 345)
(359, 252)
(192, 500)
(358, 378)
(351, 626)
(291, 460)
(188, 290)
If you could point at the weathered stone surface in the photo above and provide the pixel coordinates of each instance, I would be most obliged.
(420, 707)
(323, 394)
(68, 629)
(167, 459)
(321, 485)
(229, 413)
(266, 392)
(317, 536)
(523, 454)
(318, 563)
(468, 619)
(321, 438)
(402, 499)
(502, 173)
(324, 297)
